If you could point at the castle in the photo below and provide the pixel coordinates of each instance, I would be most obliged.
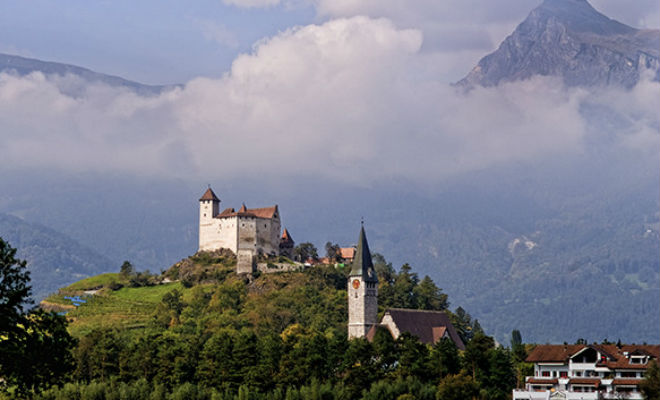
(247, 232)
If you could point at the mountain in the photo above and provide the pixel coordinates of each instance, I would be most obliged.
(54, 259)
(570, 39)
(24, 66)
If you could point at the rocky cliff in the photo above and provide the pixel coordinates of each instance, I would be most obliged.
(570, 39)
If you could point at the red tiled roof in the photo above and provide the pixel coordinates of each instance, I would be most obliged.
(347, 252)
(209, 195)
(265, 212)
(615, 355)
(227, 212)
(541, 381)
(553, 352)
(585, 381)
(627, 381)
(286, 237)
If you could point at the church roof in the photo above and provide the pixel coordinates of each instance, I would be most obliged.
(428, 326)
(209, 195)
(362, 264)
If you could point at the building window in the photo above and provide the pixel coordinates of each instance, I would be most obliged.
(578, 373)
(563, 374)
(545, 373)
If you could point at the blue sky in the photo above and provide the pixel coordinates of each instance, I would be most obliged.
(167, 41)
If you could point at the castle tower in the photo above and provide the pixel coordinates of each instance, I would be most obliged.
(209, 207)
(362, 291)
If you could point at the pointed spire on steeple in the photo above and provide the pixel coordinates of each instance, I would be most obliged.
(362, 263)
(243, 209)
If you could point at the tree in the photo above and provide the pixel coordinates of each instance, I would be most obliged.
(429, 296)
(404, 288)
(462, 321)
(14, 292)
(650, 386)
(332, 251)
(35, 347)
(46, 353)
(305, 251)
(457, 387)
(445, 359)
(477, 355)
(126, 270)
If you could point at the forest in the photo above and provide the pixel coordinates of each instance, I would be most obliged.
(221, 336)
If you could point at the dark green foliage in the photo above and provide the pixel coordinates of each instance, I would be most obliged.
(445, 359)
(332, 251)
(279, 336)
(126, 270)
(650, 386)
(14, 290)
(305, 251)
(35, 347)
(404, 289)
(457, 387)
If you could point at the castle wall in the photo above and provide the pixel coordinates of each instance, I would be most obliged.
(216, 233)
(268, 235)
(247, 234)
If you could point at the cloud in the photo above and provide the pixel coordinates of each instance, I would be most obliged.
(352, 99)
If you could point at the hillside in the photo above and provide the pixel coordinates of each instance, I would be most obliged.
(271, 302)
(54, 259)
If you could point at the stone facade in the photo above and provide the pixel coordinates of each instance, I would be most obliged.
(362, 292)
(247, 232)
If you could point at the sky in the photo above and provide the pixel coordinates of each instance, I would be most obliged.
(326, 89)
(173, 41)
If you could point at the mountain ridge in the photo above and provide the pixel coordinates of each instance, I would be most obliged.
(572, 40)
(23, 66)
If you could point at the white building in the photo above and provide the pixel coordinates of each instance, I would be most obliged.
(587, 372)
(247, 232)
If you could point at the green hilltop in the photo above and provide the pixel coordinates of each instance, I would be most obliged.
(314, 297)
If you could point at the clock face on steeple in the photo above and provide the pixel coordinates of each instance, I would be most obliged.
(356, 283)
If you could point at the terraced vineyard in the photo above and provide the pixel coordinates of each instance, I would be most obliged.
(124, 308)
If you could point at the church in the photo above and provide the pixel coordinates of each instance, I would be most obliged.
(428, 326)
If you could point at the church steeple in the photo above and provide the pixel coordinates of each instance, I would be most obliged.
(362, 264)
(362, 291)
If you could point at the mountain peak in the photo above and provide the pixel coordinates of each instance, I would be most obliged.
(572, 40)
(580, 16)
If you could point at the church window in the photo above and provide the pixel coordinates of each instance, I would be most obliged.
(205, 214)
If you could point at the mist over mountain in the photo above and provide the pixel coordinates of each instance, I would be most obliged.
(54, 259)
(570, 39)
(24, 66)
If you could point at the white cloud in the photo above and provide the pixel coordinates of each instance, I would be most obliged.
(352, 98)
